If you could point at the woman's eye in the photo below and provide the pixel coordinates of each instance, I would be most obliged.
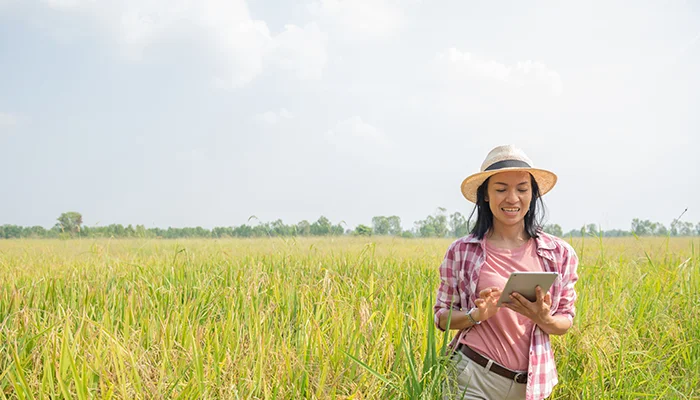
(501, 190)
(522, 190)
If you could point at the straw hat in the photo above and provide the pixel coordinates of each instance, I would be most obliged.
(502, 159)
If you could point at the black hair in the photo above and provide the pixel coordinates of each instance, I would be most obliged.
(484, 217)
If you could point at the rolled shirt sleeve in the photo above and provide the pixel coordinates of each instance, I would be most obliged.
(448, 292)
(569, 266)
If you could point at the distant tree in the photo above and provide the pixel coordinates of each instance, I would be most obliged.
(616, 233)
(201, 232)
(434, 225)
(243, 231)
(11, 231)
(394, 225)
(36, 231)
(363, 230)
(458, 225)
(142, 232)
(262, 229)
(381, 226)
(553, 229)
(55, 231)
(303, 228)
(221, 232)
(424, 228)
(678, 228)
(70, 222)
(322, 227)
(573, 233)
(647, 228)
(337, 230)
(684, 229)
(280, 229)
(440, 222)
(118, 230)
(641, 228)
(659, 229)
(592, 229)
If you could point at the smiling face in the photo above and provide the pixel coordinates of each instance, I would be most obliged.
(509, 195)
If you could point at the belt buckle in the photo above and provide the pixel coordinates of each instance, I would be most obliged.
(520, 377)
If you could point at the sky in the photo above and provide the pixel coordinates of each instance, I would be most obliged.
(205, 113)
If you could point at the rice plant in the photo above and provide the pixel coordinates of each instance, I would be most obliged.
(346, 318)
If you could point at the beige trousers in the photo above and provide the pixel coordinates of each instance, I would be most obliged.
(470, 381)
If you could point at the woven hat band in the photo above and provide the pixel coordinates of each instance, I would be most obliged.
(508, 164)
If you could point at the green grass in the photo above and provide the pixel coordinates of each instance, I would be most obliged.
(315, 318)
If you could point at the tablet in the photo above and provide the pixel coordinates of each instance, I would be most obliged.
(525, 283)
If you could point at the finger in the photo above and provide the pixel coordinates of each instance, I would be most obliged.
(539, 296)
(517, 305)
(496, 297)
(525, 306)
(517, 298)
(548, 299)
(490, 292)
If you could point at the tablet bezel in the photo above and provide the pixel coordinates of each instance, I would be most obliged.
(525, 284)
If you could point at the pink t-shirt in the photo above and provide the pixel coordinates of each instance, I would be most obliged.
(505, 337)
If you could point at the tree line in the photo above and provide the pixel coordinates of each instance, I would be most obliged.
(439, 224)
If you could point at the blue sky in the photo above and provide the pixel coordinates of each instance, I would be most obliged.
(185, 113)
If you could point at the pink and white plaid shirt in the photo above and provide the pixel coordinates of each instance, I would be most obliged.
(459, 273)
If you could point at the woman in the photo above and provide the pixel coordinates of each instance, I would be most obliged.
(505, 352)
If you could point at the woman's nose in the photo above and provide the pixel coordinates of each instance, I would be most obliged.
(512, 197)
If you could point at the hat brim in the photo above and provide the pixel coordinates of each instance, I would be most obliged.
(545, 180)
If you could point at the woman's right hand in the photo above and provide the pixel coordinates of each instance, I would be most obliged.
(486, 303)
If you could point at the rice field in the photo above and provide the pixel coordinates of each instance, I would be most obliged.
(323, 318)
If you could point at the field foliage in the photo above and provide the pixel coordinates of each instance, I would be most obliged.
(315, 318)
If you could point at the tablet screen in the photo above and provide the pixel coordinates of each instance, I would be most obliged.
(525, 284)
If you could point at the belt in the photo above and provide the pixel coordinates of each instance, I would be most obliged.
(518, 377)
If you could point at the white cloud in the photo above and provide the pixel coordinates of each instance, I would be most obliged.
(302, 50)
(353, 134)
(195, 155)
(272, 118)
(8, 121)
(65, 3)
(362, 19)
(284, 113)
(244, 45)
(463, 65)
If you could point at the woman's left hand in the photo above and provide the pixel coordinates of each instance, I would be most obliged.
(538, 311)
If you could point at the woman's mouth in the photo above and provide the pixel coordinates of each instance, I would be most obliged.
(510, 210)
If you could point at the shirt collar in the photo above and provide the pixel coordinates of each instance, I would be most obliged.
(543, 241)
